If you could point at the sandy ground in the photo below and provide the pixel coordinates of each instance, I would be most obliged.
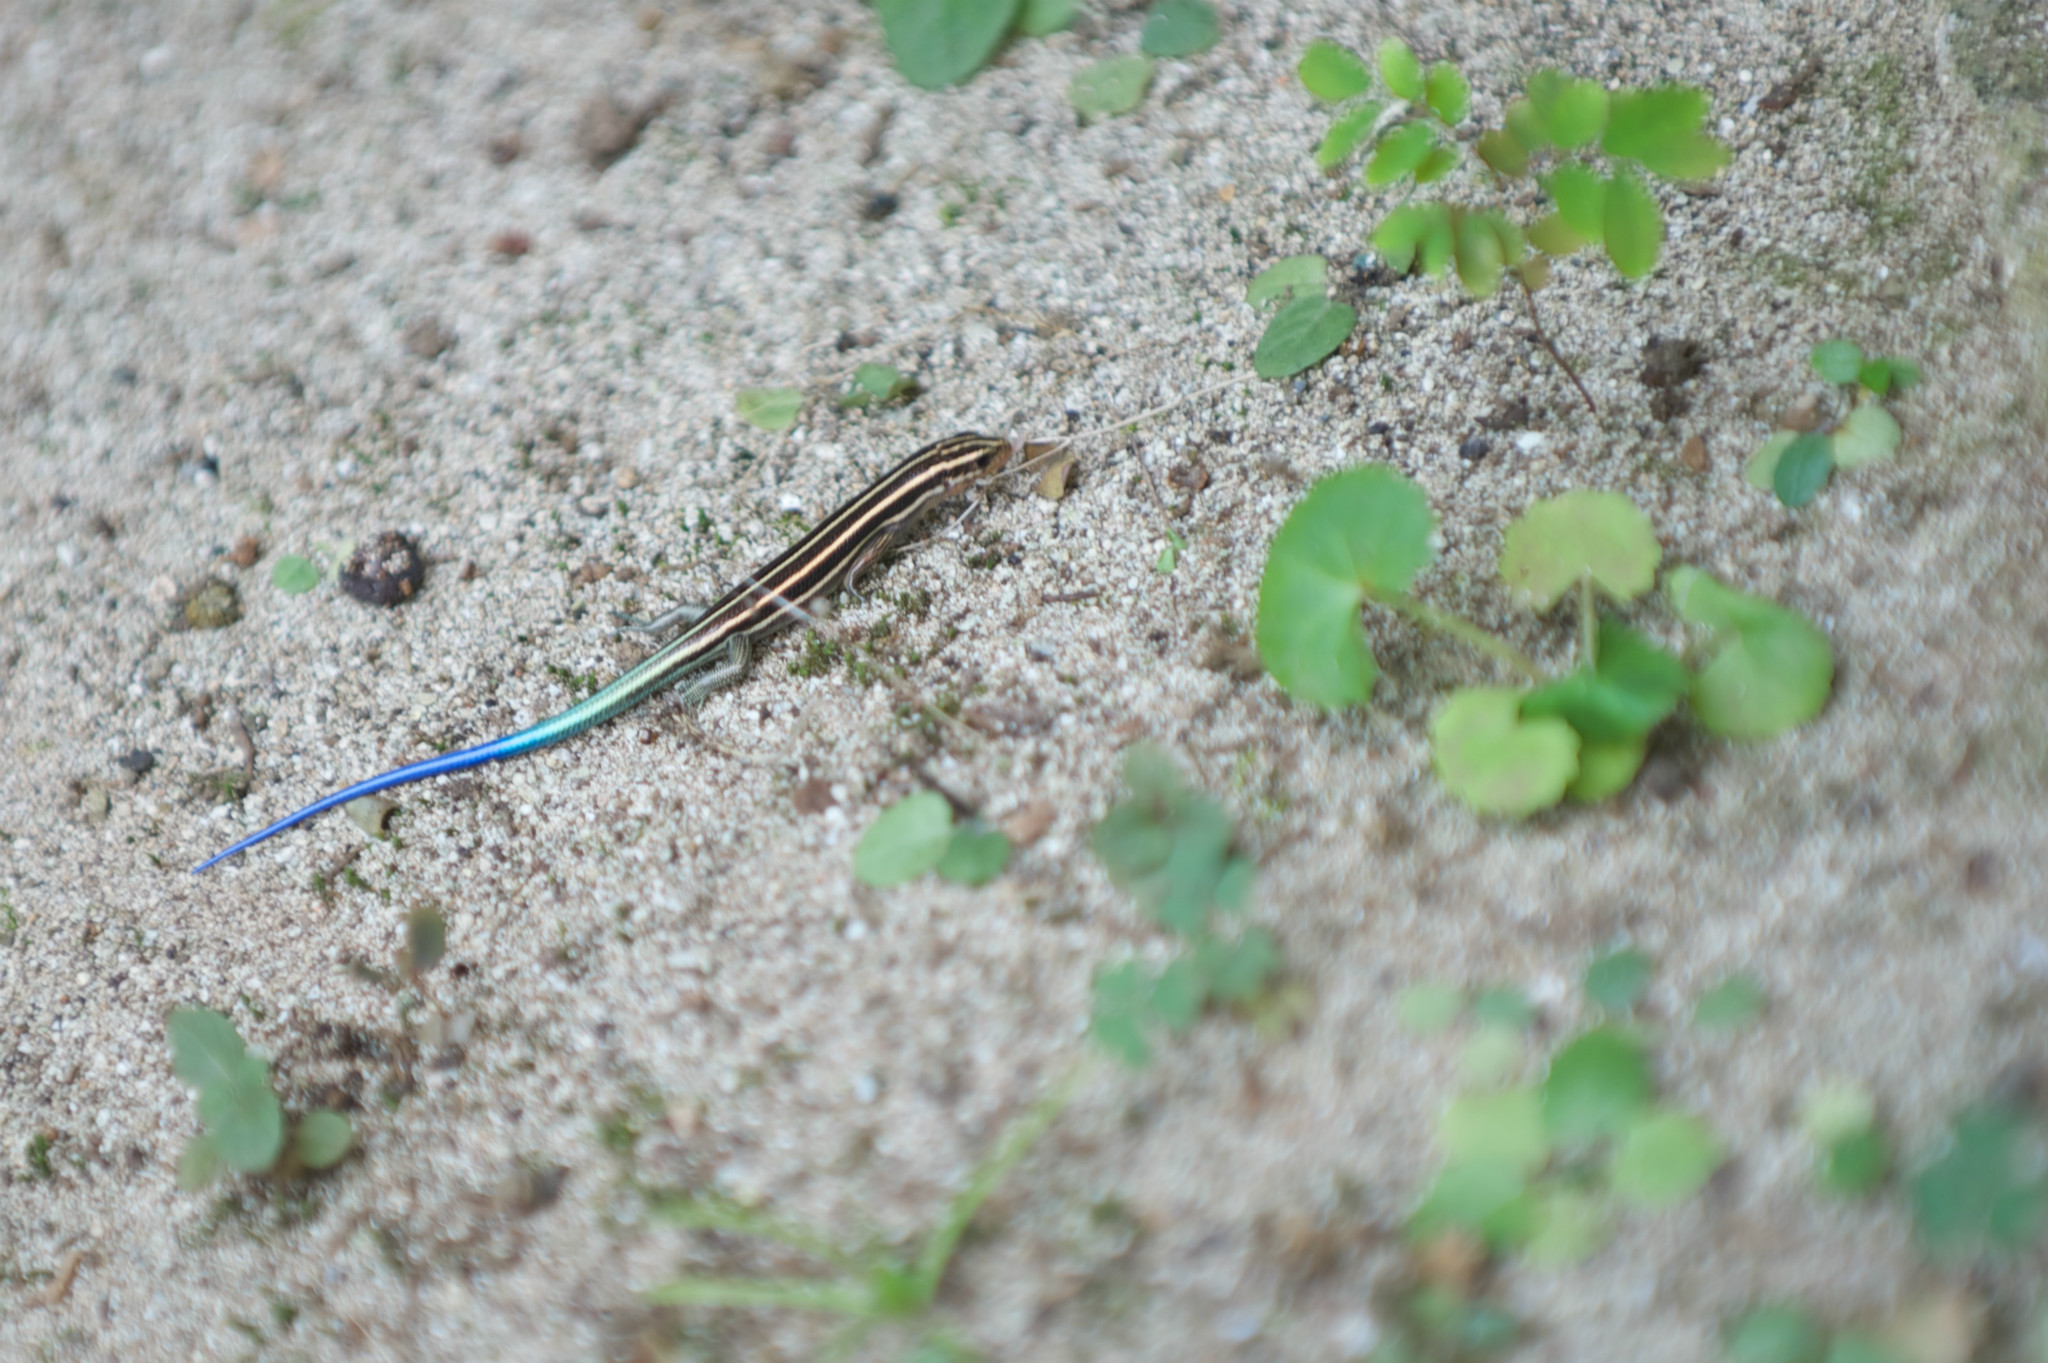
(262, 277)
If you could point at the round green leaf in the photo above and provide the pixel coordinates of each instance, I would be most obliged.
(1430, 1007)
(1889, 374)
(1857, 1163)
(200, 1164)
(910, 838)
(205, 1047)
(1345, 135)
(1632, 226)
(1581, 199)
(1493, 1054)
(1771, 669)
(1737, 1001)
(1867, 435)
(1618, 980)
(1037, 18)
(937, 42)
(1665, 1158)
(768, 409)
(1597, 1085)
(294, 575)
(1400, 70)
(1303, 333)
(1292, 276)
(1835, 1110)
(1332, 72)
(1179, 28)
(1605, 769)
(1357, 534)
(1465, 1195)
(1660, 127)
(1447, 93)
(322, 1138)
(1505, 1127)
(1401, 149)
(1774, 1334)
(1113, 85)
(1802, 469)
(244, 1118)
(1761, 472)
(1837, 361)
(1562, 111)
(1987, 1186)
(1496, 762)
(976, 855)
(1482, 248)
(1633, 686)
(1440, 162)
(1238, 971)
(1417, 235)
(1581, 534)
(1503, 1006)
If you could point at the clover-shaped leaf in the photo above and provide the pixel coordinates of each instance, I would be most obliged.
(938, 42)
(1770, 669)
(1597, 1085)
(1288, 277)
(1359, 534)
(1504, 1126)
(243, 1117)
(1447, 92)
(1400, 151)
(768, 409)
(1179, 28)
(1584, 534)
(1888, 374)
(1581, 199)
(1346, 133)
(1867, 435)
(1632, 686)
(322, 1138)
(1487, 755)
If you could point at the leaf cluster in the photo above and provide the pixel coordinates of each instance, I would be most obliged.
(1175, 852)
(918, 834)
(245, 1124)
(1796, 465)
(1116, 85)
(1589, 149)
(1361, 536)
(1541, 1169)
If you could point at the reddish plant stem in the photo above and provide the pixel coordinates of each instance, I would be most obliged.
(1543, 337)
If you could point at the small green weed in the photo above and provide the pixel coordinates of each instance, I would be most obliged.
(1176, 853)
(918, 834)
(1116, 85)
(245, 1124)
(294, 574)
(1363, 535)
(878, 385)
(815, 658)
(769, 409)
(1551, 133)
(1796, 465)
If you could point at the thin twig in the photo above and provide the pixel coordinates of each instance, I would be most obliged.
(1543, 336)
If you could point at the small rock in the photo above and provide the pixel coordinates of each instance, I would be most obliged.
(1665, 778)
(1030, 822)
(626, 478)
(384, 571)
(1693, 454)
(607, 129)
(95, 805)
(246, 551)
(470, 572)
(511, 245)
(1982, 872)
(1790, 91)
(505, 148)
(1511, 415)
(427, 338)
(592, 571)
(814, 796)
(1802, 416)
(879, 205)
(1189, 477)
(1475, 449)
(1668, 363)
(214, 606)
(139, 762)
(526, 1190)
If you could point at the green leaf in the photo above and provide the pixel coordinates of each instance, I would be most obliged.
(1597, 1085)
(1581, 199)
(1113, 85)
(1618, 980)
(1400, 150)
(935, 43)
(1302, 334)
(1447, 93)
(294, 575)
(322, 1138)
(1430, 1007)
(1288, 277)
(1346, 133)
(1737, 1001)
(1479, 255)
(1836, 1110)
(1178, 995)
(1503, 152)
(1852, 1346)
(1465, 1196)
(1487, 755)
(769, 409)
(1837, 361)
(1504, 1127)
(1582, 534)
(1553, 236)
(1492, 1055)
(1605, 768)
(1357, 534)
(1503, 1006)
(1179, 28)
(426, 938)
(1633, 686)
(200, 1164)
(877, 383)
(1037, 18)
(1888, 375)
(1123, 1003)
(244, 1118)
(1660, 128)
(1238, 971)
(205, 1047)
(975, 855)
(1664, 1158)
(910, 838)
(1332, 72)
(1400, 70)
(1569, 1226)
(1567, 113)
(1857, 1163)
(1761, 471)
(1986, 1188)
(1771, 669)
(1867, 435)
(1440, 162)
(1774, 1334)
(1168, 847)
(1802, 469)
(1632, 226)
(1417, 235)
(1521, 122)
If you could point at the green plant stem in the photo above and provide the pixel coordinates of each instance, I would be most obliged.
(1467, 633)
(1589, 626)
(790, 1293)
(1543, 338)
(710, 1214)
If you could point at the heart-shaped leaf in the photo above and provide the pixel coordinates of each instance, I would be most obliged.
(1770, 668)
(1867, 435)
(1487, 755)
(1562, 539)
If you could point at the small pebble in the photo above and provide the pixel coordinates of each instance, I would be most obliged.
(246, 551)
(95, 804)
(879, 205)
(511, 245)
(1475, 449)
(426, 337)
(385, 570)
(140, 761)
(214, 606)
(1693, 454)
